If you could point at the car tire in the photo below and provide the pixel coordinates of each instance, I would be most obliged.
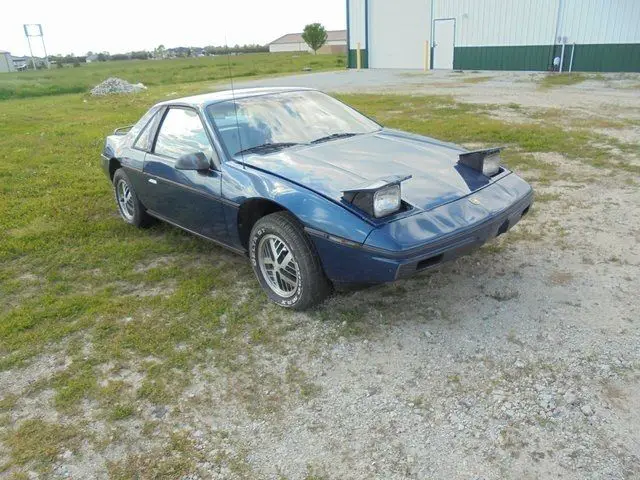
(131, 209)
(286, 263)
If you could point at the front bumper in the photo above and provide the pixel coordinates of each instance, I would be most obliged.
(369, 264)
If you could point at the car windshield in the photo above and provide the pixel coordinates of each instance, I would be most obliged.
(267, 123)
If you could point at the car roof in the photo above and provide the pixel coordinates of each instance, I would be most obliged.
(225, 95)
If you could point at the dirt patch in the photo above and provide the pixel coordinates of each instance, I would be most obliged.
(520, 360)
(626, 135)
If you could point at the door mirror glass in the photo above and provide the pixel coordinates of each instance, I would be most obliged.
(193, 161)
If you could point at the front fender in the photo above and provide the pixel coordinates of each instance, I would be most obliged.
(313, 210)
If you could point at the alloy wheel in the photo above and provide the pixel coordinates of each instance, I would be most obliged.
(125, 200)
(278, 265)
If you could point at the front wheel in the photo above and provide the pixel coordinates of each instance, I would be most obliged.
(285, 262)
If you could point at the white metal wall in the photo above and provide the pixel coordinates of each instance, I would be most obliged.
(527, 22)
(398, 28)
(500, 22)
(356, 27)
(600, 21)
(397, 33)
(299, 46)
(289, 47)
(6, 63)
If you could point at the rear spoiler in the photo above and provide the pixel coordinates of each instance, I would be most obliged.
(122, 130)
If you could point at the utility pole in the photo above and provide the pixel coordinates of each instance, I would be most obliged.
(26, 32)
(35, 30)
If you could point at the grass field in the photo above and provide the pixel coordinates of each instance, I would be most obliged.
(160, 72)
(78, 284)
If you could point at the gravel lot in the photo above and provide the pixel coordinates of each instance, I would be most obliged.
(521, 360)
(613, 89)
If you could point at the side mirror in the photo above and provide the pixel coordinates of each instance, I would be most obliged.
(193, 161)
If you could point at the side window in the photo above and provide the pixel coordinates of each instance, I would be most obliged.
(182, 132)
(144, 120)
(144, 140)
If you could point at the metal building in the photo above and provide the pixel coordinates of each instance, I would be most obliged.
(6, 62)
(293, 42)
(597, 35)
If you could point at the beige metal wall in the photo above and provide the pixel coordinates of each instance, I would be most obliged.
(6, 64)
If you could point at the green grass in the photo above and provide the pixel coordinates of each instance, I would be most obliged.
(59, 81)
(477, 79)
(38, 443)
(75, 281)
(443, 118)
(561, 79)
(176, 459)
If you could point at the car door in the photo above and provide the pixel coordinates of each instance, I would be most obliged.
(188, 198)
(132, 158)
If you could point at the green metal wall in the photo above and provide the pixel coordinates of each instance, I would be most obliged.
(352, 60)
(619, 57)
(523, 57)
(587, 58)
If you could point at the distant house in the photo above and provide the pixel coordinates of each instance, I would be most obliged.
(293, 42)
(6, 62)
(92, 58)
(20, 63)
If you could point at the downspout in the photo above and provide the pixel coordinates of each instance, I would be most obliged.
(431, 37)
(573, 49)
(555, 39)
(348, 39)
(366, 30)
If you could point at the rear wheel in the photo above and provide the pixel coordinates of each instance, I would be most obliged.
(131, 209)
(285, 262)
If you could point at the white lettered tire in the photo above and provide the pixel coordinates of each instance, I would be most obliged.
(286, 263)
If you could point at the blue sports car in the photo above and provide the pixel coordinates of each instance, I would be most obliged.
(316, 194)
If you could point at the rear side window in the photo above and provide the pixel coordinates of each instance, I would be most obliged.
(144, 120)
(144, 140)
(182, 132)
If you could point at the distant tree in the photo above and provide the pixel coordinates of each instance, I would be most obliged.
(159, 51)
(103, 56)
(140, 55)
(89, 53)
(315, 36)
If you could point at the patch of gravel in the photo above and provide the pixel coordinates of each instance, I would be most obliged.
(521, 360)
(115, 85)
(626, 135)
(502, 88)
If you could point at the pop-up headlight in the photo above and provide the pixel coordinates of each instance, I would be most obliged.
(486, 161)
(380, 198)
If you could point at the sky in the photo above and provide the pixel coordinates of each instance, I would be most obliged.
(119, 26)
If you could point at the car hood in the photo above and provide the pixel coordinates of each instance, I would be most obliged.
(330, 168)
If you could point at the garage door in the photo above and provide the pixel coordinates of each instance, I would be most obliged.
(397, 32)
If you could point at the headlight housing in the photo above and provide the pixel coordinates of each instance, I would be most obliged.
(386, 201)
(486, 161)
(378, 199)
(491, 164)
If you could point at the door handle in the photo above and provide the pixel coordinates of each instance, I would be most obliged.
(153, 180)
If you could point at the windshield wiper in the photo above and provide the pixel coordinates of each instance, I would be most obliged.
(333, 136)
(265, 147)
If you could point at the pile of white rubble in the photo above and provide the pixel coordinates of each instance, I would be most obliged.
(116, 85)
